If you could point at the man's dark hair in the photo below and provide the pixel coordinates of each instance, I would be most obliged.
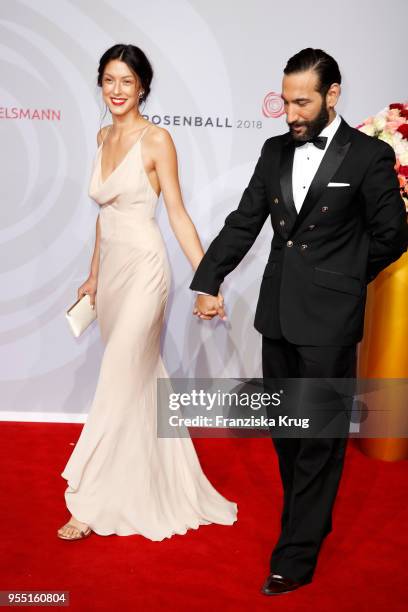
(325, 66)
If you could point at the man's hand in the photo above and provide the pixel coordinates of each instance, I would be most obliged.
(208, 306)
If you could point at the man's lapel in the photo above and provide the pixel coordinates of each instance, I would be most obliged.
(331, 161)
(285, 172)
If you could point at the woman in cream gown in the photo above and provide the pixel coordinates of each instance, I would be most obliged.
(122, 479)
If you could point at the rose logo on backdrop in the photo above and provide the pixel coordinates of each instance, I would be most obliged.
(273, 105)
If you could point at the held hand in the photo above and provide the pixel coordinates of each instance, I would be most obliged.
(208, 306)
(89, 287)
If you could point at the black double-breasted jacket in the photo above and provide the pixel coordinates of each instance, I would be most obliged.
(313, 289)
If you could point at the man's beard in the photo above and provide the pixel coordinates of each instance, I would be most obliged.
(313, 128)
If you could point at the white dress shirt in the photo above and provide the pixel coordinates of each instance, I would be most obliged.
(306, 161)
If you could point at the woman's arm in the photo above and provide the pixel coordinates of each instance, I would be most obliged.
(165, 161)
(164, 158)
(95, 257)
(90, 286)
(91, 283)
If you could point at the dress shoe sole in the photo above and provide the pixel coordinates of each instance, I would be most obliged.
(269, 593)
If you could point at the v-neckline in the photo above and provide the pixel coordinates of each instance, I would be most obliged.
(121, 161)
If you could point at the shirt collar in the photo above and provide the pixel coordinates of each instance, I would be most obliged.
(330, 130)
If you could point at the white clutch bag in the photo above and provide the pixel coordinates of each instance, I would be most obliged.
(80, 315)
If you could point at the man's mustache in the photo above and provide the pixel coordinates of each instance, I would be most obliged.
(296, 124)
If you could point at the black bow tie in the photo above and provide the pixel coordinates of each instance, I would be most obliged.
(318, 141)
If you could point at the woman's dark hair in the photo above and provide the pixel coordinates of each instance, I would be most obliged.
(321, 62)
(135, 59)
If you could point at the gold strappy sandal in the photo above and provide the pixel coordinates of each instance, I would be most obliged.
(81, 536)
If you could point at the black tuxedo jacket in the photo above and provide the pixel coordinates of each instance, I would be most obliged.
(313, 289)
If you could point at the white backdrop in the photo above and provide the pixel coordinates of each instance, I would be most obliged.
(214, 62)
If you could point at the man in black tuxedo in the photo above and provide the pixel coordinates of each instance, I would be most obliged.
(338, 219)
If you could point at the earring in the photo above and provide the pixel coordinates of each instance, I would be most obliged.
(141, 93)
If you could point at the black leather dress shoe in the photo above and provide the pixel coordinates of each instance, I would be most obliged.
(277, 585)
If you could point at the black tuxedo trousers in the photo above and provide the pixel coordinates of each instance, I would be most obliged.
(310, 468)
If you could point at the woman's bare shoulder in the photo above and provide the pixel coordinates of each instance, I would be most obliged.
(159, 139)
(158, 134)
(101, 134)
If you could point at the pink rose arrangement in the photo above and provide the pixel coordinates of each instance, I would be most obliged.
(391, 125)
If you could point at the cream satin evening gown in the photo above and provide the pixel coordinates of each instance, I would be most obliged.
(122, 478)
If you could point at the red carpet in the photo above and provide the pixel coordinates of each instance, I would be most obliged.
(362, 566)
